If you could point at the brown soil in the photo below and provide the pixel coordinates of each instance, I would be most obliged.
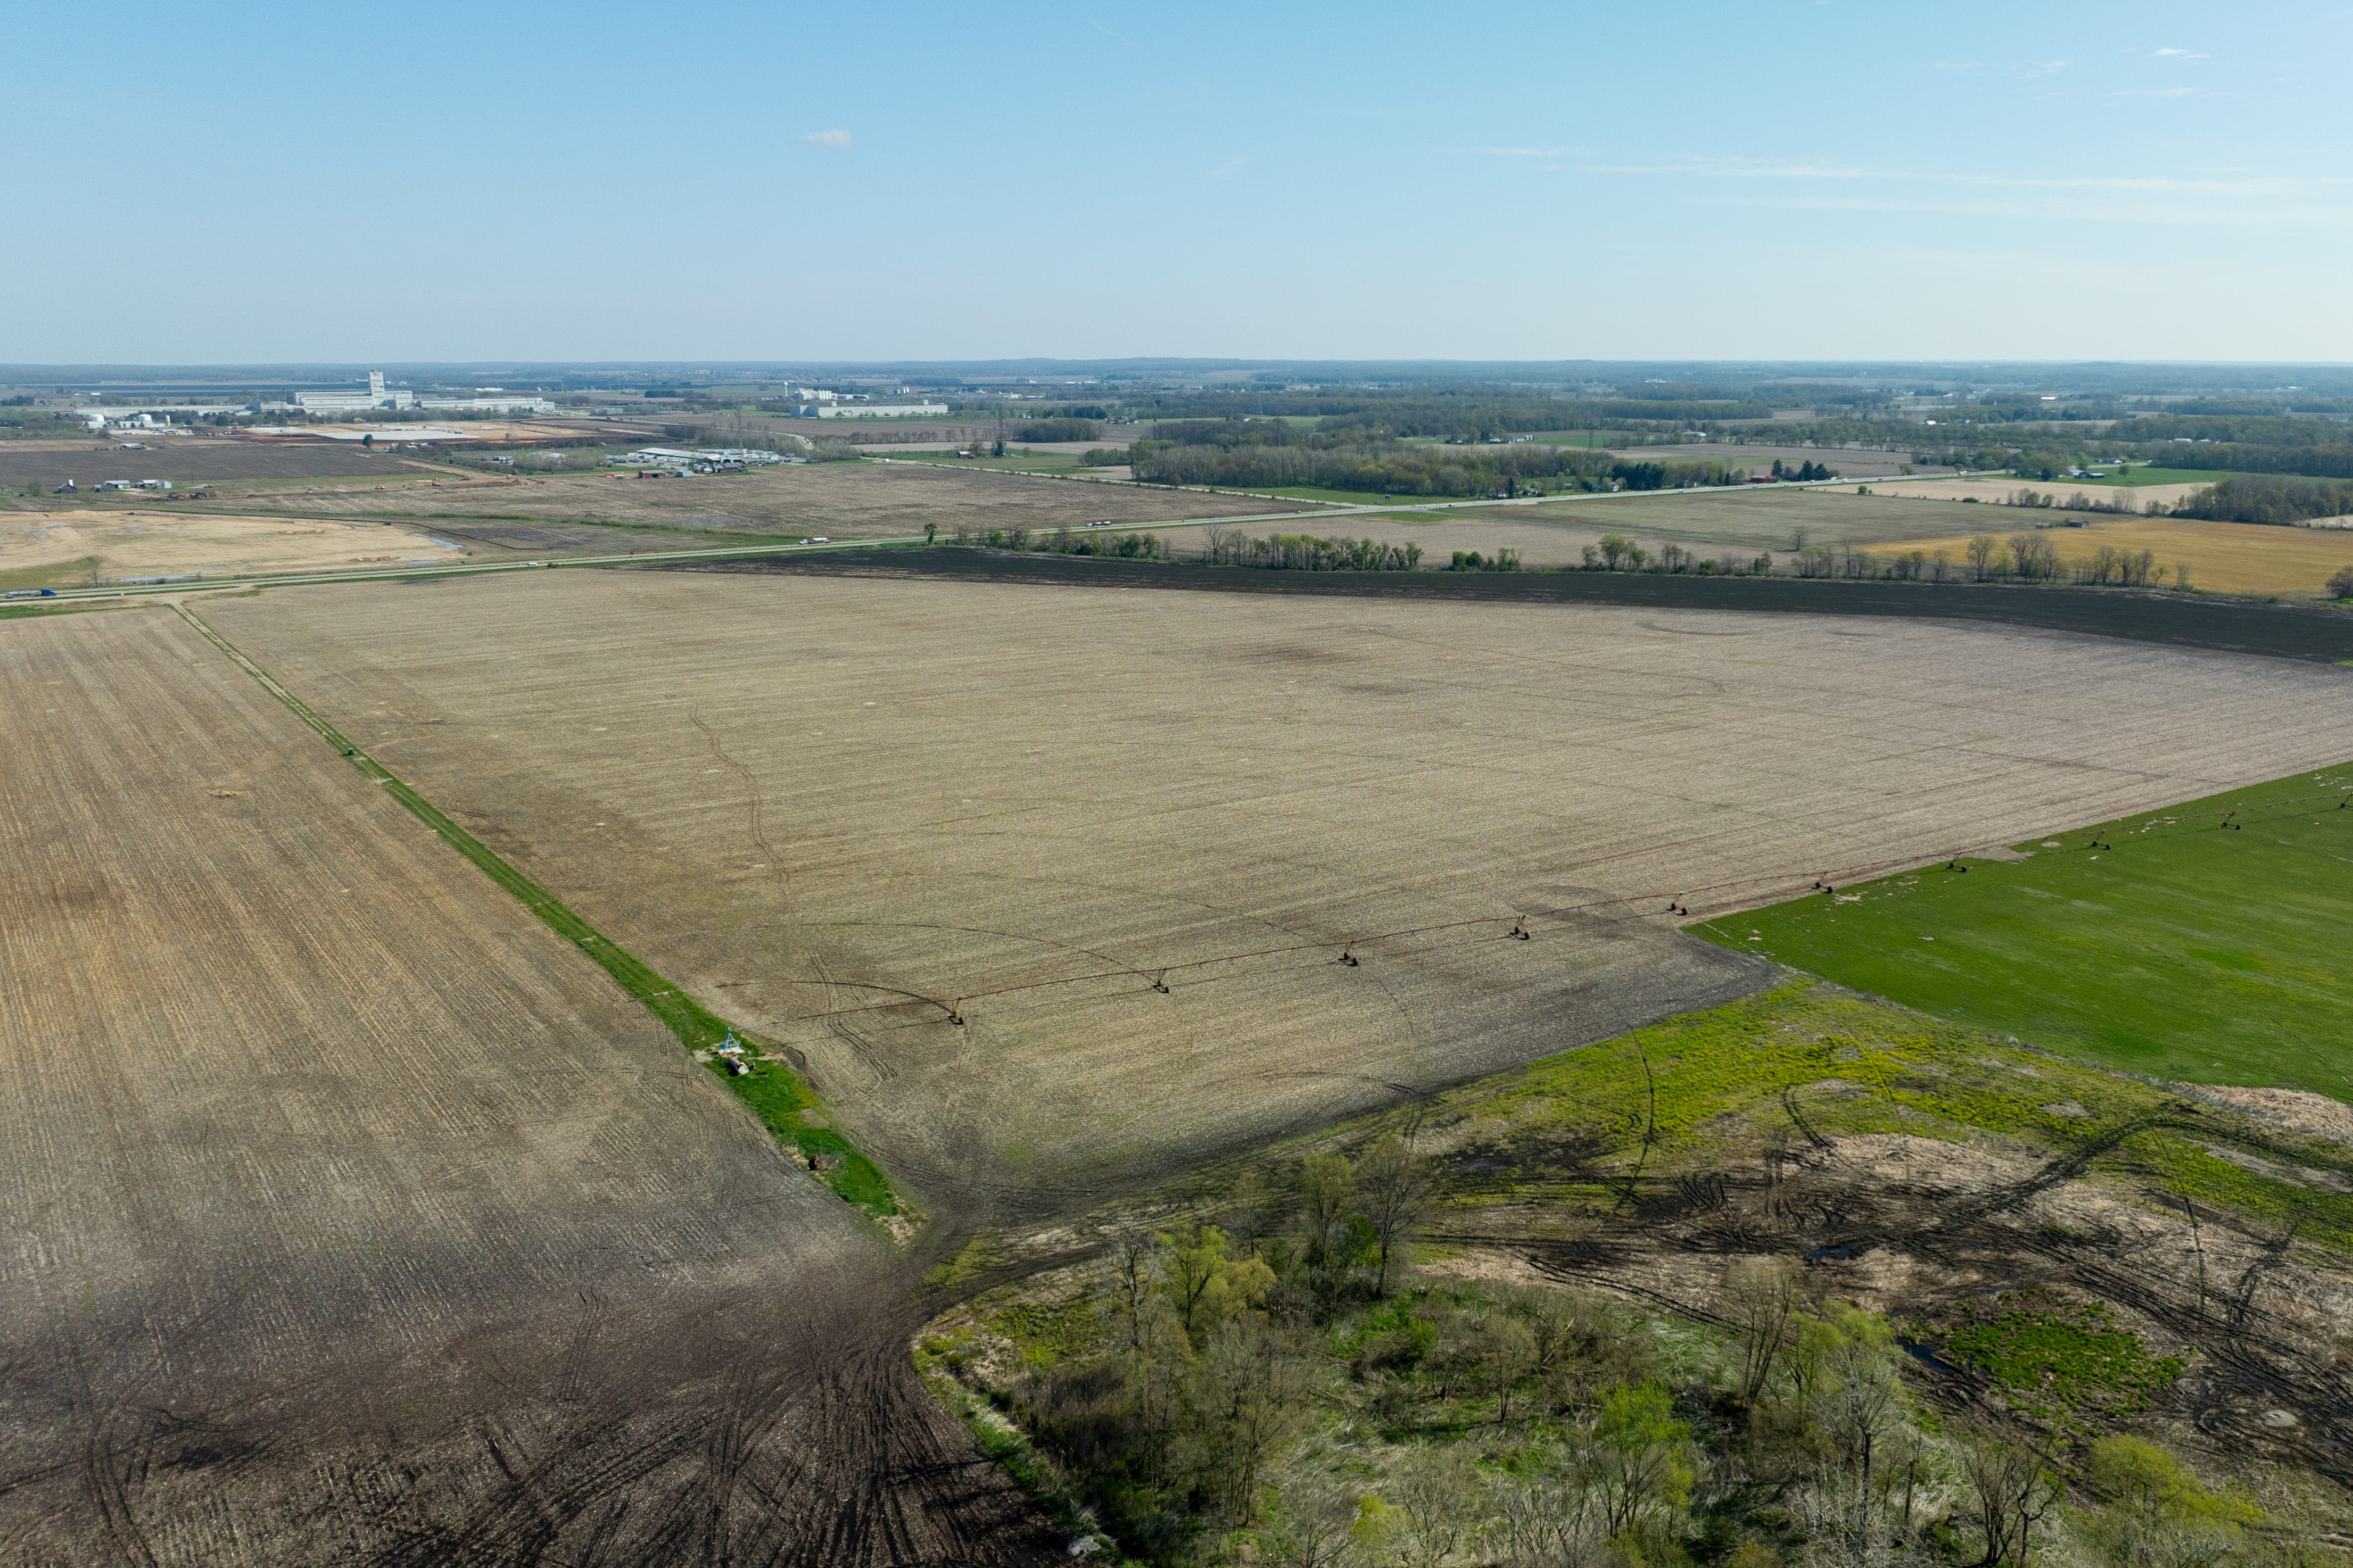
(357, 1217)
(840, 500)
(2296, 1109)
(1760, 518)
(187, 460)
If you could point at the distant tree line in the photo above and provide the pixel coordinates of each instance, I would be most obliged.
(1684, 475)
(2271, 429)
(2270, 497)
(1395, 469)
(2334, 461)
(1392, 470)
(1473, 410)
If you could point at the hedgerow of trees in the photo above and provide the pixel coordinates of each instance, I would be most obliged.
(1307, 553)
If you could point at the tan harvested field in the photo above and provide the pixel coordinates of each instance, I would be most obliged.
(2001, 489)
(1754, 520)
(840, 500)
(840, 805)
(353, 1216)
(129, 543)
(2225, 557)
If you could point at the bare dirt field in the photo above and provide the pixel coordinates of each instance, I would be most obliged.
(1537, 542)
(2227, 557)
(353, 1216)
(129, 543)
(840, 500)
(1754, 520)
(841, 807)
(44, 465)
(2000, 490)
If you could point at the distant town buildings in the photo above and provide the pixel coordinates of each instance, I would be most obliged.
(874, 410)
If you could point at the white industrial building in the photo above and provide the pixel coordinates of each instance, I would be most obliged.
(877, 410)
(376, 397)
(491, 404)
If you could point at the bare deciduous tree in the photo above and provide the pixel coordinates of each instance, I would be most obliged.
(1395, 1186)
(1317, 1515)
(1134, 1270)
(1762, 1297)
(1252, 1391)
(2011, 1491)
(1325, 1184)
(1439, 1498)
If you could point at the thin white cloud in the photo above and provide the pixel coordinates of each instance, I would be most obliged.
(1226, 169)
(2174, 55)
(2293, 216)
(1747, 169)
(2249, 202)
(835, 138)
(1741, 169)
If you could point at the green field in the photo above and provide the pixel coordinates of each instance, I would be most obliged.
(2166, 944)
(47, 575)
(2137, 475)
(1015, 461)
(1337, 498)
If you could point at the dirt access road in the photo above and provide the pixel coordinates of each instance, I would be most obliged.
(837, 806)
(353, 1217)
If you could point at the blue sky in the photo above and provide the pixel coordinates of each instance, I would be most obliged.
(1781, 178)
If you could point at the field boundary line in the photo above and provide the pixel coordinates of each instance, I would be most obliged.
(775, 1094)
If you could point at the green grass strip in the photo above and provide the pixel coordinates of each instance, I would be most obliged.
(772, 1092)
(27, 612)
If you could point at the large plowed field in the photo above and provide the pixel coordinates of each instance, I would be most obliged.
(186, 460)
(351, 1214)
(838, 808)
(840, 500)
